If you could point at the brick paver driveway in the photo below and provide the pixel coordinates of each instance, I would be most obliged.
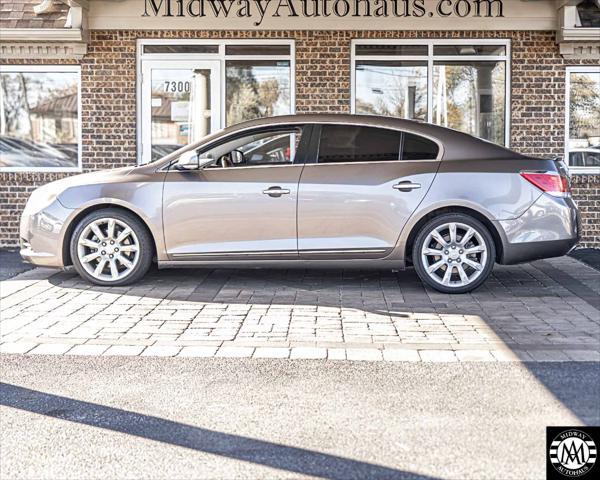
(544, 311)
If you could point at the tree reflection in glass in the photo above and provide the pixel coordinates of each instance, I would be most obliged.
(256, 89)
(39, 119)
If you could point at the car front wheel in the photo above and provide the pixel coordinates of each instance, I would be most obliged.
(111, 247)
(453, 253)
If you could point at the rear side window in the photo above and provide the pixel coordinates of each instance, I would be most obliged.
(418, 148)
(348, 143)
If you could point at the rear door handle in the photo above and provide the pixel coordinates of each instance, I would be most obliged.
(276, 191)
(407, 186)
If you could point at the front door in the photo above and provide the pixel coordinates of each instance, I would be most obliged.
(180, 104)
(360, 190)
(244, 205)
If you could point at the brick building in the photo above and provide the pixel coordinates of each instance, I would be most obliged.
(98, 84)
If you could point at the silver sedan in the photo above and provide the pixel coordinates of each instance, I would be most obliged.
(335, 191)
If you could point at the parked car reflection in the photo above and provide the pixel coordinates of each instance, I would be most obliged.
(18, 152)
(585, 157)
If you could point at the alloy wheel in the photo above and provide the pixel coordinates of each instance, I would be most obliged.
(454, 254)
(108, 249)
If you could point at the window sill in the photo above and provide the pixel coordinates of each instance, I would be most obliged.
(584, 170)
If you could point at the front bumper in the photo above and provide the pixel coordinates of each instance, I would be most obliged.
(549, 228)
(42, 233)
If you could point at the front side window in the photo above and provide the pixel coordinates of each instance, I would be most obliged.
(583, 110)
(347, 143)
(453, 84)
(39, 118)
(278, 147)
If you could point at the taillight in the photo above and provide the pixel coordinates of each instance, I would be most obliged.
(551, 183)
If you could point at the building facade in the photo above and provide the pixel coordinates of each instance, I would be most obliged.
(88, 85)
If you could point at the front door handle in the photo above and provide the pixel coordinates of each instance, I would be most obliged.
(276, 191)
(407, 186)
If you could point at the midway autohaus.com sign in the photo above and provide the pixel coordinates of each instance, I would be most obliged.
(258, 10)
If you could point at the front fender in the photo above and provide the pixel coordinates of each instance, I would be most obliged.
(143, 199)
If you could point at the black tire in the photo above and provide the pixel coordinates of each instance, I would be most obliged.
(421, 237)
(146, 246)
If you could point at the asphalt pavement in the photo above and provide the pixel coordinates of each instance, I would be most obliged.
(166, 418)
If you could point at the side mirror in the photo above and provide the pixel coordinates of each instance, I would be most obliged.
(188, 161)
(237, 157)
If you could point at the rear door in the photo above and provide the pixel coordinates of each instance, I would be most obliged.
(360, 189)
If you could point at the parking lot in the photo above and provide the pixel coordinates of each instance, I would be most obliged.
(344, 374)
(543, 311)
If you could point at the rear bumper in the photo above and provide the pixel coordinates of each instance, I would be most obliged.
(549, 228)
(527, 252)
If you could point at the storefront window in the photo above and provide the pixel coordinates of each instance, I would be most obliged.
(457, 84)
(392, 88)
(39, 118)
(192, 88)
(257, 88)
(583, 113)
(469, 96)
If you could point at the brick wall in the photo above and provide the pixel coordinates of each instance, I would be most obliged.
(322, 85)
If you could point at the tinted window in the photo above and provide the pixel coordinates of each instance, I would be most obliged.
(346, 143)
(418, 148)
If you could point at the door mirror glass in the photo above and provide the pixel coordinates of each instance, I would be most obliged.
(237, 157)
(188, 161)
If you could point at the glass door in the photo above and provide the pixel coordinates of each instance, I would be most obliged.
(180, 104)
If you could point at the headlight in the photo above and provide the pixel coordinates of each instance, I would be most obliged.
(41, 197)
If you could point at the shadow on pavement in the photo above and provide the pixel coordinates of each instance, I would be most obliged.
(291, 459)
(575, 384)
(11, 264)
(589, 256)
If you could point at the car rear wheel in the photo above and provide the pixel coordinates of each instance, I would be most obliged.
(453, 253)
(111, 247)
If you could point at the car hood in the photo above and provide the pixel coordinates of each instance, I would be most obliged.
(57, 188)
(101, 176)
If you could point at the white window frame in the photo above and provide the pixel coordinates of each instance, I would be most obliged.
(50, 69)
(429, 58)
(568, 72)
(221, 57)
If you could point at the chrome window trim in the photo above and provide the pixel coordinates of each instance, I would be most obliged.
(401, 130)
(166, 166)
